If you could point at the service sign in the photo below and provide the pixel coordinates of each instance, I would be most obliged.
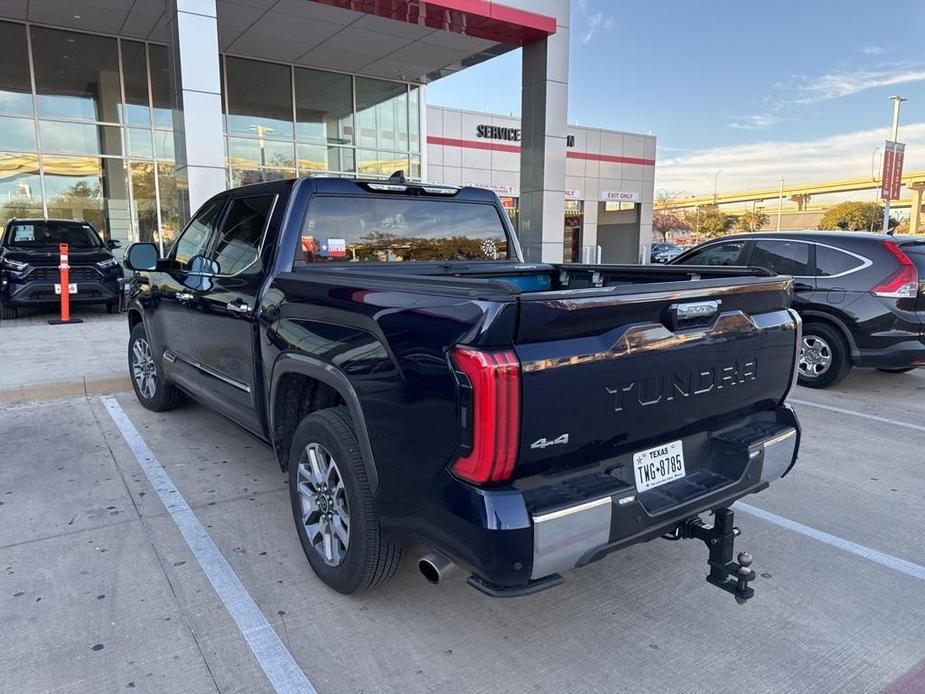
(572, 194)
(619, 196)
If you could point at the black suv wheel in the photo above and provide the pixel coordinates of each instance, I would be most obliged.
(332, 505)
(824, 358)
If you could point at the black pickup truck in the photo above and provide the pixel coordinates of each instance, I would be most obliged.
(423, 385)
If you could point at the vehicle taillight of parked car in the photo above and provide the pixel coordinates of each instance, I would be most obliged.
(903, 283)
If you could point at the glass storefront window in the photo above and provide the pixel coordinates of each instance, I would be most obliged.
(373, 163)
(246, 153)
(382, 114)
(89, 188)
(163, 144)
(135, 78)
(139, 142)
(58, 137)
(160, 86)
(76, 75)
(414, 119)
(15, 84)
(17, 133)
(259, 98)
(312, 158)
(171, 217)
(20, 186)
(324, 106)
(144, 205)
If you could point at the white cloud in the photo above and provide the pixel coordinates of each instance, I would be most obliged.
(873, 50)
(835, 85)
(593, 22)
(759, 121)
(758, 165)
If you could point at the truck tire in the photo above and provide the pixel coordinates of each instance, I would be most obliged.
(824, 358)
(152, 389)
(7, 312)
(332, 505)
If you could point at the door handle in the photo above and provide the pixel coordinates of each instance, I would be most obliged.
(183, 297)
(238, 307)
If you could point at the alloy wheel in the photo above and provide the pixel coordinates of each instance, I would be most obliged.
(815, 356)
(325, 512)
(143, 369)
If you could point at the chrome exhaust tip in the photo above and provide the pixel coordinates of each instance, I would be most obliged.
(435, 567)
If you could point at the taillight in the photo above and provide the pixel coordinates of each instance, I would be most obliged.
(902, 284)
(494, 416)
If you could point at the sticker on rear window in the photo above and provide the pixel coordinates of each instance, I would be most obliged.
(24, 233)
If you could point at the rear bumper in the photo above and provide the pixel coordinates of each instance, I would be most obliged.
(512, 537)
(901, 355)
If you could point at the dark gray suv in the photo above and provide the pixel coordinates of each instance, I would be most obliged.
(861, 295)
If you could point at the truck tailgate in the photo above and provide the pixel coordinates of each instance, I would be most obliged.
(609, 372)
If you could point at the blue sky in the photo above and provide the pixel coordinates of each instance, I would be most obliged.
(759, 90)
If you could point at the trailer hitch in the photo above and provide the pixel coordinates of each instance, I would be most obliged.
(731, 576)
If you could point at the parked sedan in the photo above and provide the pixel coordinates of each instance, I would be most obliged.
(29, 259)
(860, 295)
(664, 252)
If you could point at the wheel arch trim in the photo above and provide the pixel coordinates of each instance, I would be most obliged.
(293, 363)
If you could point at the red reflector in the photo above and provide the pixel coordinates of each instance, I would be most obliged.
(904, 282)
(495, 419)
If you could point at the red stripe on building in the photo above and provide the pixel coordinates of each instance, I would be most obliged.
(514, 149)
(610, 158)
(484, 19)
(472, 144)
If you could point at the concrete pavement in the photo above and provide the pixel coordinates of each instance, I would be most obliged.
(39, 361)
(79, 521)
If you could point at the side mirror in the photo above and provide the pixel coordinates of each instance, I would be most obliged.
(113, 244)
(141, 256)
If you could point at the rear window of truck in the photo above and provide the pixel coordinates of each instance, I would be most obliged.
(400, 229)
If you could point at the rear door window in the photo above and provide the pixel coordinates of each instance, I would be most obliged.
(239, 242)
(727, 253)
(831, 262)
(783, 257)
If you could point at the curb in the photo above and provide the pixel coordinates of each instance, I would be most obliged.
(65, 389)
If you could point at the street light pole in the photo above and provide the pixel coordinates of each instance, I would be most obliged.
(715, 184)
(894, 135)
(780, 202)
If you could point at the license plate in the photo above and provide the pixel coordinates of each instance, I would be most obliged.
(71, 288)
(657, 466)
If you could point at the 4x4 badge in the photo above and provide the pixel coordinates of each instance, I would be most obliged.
(545, 443)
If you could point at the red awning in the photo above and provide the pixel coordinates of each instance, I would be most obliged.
(484, 19)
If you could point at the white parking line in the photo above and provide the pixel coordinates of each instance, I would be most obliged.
(887, 560)
(841, 410)
(277, 662)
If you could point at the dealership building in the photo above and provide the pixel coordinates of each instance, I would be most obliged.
(128, 114)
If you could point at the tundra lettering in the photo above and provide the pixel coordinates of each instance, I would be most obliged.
(656, 389)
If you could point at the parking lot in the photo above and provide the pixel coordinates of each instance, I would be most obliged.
(100, 591)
